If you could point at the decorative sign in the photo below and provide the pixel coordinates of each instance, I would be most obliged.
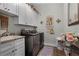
(49, 25)
(58, 20)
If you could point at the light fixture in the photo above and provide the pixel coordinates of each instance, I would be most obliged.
(33, 7)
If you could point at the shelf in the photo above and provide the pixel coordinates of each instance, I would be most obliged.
(26, 25)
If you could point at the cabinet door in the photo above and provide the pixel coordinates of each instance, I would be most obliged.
(11, 7)
(31, 16)
(6, 49)
(22, 13)
(19, 47)
(1, 6)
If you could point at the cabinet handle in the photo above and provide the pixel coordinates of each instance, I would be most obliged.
(13, 51)
(5, 8)
(8, 9)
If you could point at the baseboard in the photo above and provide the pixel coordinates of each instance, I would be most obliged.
(48, 44)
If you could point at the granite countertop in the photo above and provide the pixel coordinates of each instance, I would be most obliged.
(10, 38)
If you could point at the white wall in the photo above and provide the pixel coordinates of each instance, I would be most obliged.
(74, 28)
(12, 28)
(55, 10)
(16, 28)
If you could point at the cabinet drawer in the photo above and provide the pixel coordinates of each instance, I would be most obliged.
(6, 46)
(7, 52)
(19, 40)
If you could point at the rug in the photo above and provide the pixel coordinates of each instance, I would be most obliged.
(57, 52)
(46, 51)
(50, 51)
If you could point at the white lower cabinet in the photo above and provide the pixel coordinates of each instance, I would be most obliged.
(13, 48)
(6, 48)
(19, 47)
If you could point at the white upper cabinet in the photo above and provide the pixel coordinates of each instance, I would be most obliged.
(26, 15)
(9, 8)
(1, 6)
(31, 16)
(22, 13)
(12, 8)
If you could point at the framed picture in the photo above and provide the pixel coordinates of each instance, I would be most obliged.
(49, 25)
(73, 14)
